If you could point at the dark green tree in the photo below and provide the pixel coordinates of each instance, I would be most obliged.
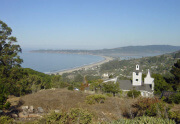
(9, 61)
(8, 50)
(3, 96)
(160, 83)
(111, 87)
(78, 78)
(133, 93)
(176, 72)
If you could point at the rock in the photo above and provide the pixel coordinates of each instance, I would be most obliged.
(25, 107)
(34, 116)
(56, 111)
(25, 113)
(14, 115)
(31, 109)
(21, 115)
(40, 110)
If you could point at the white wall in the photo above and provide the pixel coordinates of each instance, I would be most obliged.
(111, 80)
(137, 77)
(149, 80)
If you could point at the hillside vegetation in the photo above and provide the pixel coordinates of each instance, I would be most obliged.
(161, 64)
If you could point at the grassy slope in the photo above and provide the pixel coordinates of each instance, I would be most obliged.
(63, 99)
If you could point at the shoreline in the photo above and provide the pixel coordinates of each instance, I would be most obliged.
(106, 59)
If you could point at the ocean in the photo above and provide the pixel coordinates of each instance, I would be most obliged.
(54, 62)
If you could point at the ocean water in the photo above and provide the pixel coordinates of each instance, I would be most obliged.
(54, 62)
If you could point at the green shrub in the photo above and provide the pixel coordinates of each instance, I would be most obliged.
(97, 98)
(158, 109)
(70, 87)
(53, 118)
(3, 99)
(73, 116)
(144, 120)
(174, 98)
(133, 93)
(6, 120)
(80, 116)
(111, 87)
(151, 107)
(7, 105)
(175, 115)
(109, 94)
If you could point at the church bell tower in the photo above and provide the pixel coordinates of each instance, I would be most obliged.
(137, 77)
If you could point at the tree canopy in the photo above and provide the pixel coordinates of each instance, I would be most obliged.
(9, 62)
(160, 83)
(176, 72)
(9, 58)
(111, 87)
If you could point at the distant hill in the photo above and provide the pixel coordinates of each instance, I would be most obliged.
(122, 51)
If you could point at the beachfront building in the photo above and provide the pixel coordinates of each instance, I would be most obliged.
(146, 88)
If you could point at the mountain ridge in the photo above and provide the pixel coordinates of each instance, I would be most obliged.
(121, 51)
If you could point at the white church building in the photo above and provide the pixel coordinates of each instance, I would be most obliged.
(146, 87)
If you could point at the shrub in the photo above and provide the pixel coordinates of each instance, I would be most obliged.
(145, 103)
(133, 93)
(97, 98)
(7, 105)
(174, 98)
(151, 107)
(80, 116)
(174, 115)
(109, 94)
(158, 109)
(111, 87)
(6, 120)
(144, 120)
(52, 118)
(75, 115)
(3, 99)
(70, 87)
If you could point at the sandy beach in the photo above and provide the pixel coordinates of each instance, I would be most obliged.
(106, 59)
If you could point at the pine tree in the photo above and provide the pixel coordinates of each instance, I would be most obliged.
(176, 72)
(9, 60)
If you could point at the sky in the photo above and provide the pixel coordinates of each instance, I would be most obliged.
(92, 24)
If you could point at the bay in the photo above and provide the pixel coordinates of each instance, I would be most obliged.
(54, 62)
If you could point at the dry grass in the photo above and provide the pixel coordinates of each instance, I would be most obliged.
(176, 107)
(14, 100)
(63, 99)
(54, 99)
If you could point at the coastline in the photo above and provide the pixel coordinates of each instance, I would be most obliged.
(106, 59)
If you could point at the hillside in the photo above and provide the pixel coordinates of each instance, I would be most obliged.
(122, 51)
(161, 64)
(63, 100)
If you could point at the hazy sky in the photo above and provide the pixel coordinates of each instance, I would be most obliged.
(92, 24)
